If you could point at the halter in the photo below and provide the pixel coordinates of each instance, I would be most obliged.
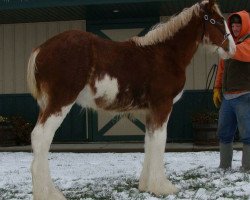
(218, 24)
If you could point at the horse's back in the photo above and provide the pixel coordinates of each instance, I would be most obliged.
(69, 35)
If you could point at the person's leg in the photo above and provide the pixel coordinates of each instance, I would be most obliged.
(226, 130)
(246, 157)
(226, 155)
(243, 118)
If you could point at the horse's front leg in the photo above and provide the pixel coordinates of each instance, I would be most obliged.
(153, 178)
(42, 136)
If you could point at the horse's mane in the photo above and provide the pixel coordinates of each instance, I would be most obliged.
(163, 31)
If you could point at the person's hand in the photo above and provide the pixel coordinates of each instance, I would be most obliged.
(217, 97)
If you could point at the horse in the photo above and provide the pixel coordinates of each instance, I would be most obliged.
(145, 74)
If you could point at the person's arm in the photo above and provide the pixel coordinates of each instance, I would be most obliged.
(243, 51)
(218, 84)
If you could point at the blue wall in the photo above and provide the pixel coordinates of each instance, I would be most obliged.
(180, 122)
(74, 126)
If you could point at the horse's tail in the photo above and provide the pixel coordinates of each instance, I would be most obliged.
(31, 79)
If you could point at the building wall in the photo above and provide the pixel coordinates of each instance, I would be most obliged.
(16, 44)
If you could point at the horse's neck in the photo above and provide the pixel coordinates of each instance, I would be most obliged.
(185, 42)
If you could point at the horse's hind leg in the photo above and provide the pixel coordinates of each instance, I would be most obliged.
(42, 136)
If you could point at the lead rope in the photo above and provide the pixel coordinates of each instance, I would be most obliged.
(210, 76)
(225, 38)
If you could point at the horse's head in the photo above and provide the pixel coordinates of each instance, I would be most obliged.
(216, 31)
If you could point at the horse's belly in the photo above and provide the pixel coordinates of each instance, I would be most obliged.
(106, 93)
(121, 102)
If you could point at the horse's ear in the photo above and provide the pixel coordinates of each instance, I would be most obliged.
(211, 4)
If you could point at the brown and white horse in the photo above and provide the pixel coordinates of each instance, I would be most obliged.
(142, 74)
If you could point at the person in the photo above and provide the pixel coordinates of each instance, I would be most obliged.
(232, 93)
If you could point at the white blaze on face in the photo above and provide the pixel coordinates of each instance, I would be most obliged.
(232, 46)
(106, 88)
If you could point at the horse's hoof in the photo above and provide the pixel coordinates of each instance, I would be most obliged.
(56, 195)
(53, 194)
(142, 185)
(162, 188)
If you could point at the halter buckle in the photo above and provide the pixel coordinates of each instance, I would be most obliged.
(206, 17)
(212, 21)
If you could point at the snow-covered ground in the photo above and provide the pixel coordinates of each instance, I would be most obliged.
(115, 176)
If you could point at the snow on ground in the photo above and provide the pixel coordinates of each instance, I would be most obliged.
(115, 176)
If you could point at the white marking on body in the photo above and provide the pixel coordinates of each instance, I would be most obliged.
(106, 88)
(86, 98)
